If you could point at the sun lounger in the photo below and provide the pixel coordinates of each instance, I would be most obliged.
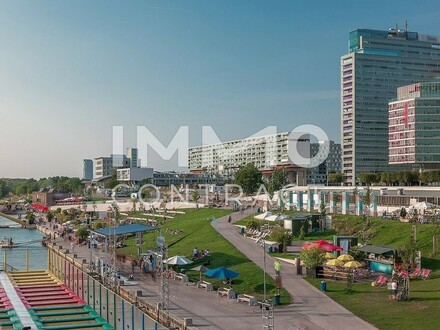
(381, 280)
(425, 274)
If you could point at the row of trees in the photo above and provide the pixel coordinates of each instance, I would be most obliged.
(392, 178)
(27, 186)
(250, 179)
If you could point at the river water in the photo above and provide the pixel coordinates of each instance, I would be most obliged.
(28, 239)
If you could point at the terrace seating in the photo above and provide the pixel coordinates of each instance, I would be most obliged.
(247, 298)
(205, 285)
(227, 292)
(182, 277)
(334, 274)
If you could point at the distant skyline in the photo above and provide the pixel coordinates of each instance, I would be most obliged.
(73, 69)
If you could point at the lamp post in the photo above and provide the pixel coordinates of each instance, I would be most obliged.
(92, 239)
(262, 243)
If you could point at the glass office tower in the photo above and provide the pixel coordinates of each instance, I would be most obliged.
(377, 64)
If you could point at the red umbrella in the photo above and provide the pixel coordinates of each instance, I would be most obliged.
(323, 245)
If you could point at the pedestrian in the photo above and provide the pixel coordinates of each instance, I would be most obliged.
(195, 253)
(394, 289)
(277, 265)
(229, 219)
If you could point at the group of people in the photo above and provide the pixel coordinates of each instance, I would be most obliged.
(200, 254)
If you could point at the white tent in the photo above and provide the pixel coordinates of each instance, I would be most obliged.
(424, 206)
(178, 260)
(275, 217)
(263, 216)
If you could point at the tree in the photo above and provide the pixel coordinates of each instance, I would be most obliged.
(113, 182)
(82, 233)
(248, 178)
(277, 180)
(435, 231)
(335, 178)
(403, 213)
(323, 212)
(133, 202)
(195, 195)
(368, 178)
(30, 217)
(408, 254)
(336, 200)
(312, 257)
(366, 199)
(281, 236)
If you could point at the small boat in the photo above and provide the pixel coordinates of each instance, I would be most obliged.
(4, 245)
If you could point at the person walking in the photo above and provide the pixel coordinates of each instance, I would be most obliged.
(229, 219)
(394, 289)
(277, 265)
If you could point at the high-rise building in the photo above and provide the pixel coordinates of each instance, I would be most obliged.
(265, 152)
(132, 155)
(106, 166)
(87, 169)
(414, 125)
(377, 64)
(330, 161)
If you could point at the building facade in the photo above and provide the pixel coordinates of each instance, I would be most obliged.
(329, 164)
(132, 155)
(265, 152)
(87, 169)
(106, 166)
(134, 174)
(48, 196)
(414, 125)
(377, 64)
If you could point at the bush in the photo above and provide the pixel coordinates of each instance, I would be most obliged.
(312, 257)
(253, 224)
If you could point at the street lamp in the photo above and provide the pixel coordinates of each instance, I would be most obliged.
(262, 243)
(92, 239)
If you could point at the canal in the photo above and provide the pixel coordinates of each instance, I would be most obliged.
(27, 239)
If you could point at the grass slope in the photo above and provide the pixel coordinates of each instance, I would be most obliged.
(196, 231)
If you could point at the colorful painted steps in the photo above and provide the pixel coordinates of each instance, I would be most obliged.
(68, 318)
(52, 305)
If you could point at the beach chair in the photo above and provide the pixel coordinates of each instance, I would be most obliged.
(381, 280)
(415, 273)
(426, 274)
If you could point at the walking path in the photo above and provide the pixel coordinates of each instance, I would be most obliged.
(311, 309)
(311, 306)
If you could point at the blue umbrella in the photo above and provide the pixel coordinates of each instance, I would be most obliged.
(221, 272)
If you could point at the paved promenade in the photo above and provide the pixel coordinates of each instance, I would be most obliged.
(311, 309)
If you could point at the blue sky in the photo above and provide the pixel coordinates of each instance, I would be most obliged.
(70, 70)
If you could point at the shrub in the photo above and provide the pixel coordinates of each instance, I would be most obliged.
(312, 257)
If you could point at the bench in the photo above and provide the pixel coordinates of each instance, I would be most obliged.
(205, 285)
(182, 277)
(333, 274)
(247, 298)
(228, 293)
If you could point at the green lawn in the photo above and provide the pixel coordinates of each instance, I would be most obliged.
(196, 231)
(373, 303)
(374, 306)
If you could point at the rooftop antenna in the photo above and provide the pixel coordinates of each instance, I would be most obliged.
(406, 25)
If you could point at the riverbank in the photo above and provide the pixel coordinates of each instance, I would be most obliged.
(10, 217)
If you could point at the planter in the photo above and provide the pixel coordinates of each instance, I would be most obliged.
(311, 272)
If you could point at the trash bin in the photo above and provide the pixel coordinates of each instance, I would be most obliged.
(323, 286)
(269, 249)
(277, 299)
